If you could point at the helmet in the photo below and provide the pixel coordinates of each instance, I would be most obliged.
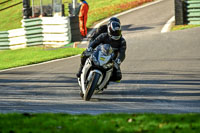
(114, 19)
(114, 30)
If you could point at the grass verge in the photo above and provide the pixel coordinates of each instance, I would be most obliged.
(98, 9)
(10, 14)
(101, 9)
(104, 123)
(182, 27)
(33, 55)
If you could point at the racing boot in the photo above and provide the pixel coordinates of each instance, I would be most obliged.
(118, 81)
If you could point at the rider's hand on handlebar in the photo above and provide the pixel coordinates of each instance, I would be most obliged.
(118, 61)
(89, 51)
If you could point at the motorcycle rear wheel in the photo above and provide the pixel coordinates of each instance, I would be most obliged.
(91, 86)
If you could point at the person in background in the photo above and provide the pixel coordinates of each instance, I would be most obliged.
(83, 13)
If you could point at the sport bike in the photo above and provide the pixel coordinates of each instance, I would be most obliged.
(97, 71)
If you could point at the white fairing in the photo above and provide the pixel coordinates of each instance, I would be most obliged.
(106, 79)
(86, 67)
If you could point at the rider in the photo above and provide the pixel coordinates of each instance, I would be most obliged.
(117, 42)
(103, 28)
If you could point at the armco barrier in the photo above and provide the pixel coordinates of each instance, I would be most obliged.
(48, 31)
(4, 40)
(12, 39)
(193, 9)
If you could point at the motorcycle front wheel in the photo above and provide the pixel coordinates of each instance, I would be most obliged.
(91, 86)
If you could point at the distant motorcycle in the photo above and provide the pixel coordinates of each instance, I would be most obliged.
(97, 71)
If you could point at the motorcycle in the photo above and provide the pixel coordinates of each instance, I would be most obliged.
(97, 71)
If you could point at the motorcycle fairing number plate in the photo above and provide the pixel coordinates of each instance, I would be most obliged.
(102, 58)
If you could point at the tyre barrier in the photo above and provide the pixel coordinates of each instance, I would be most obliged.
(75, 31)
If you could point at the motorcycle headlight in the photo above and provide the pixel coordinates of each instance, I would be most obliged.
(109, 65)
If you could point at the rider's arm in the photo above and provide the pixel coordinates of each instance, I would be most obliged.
(122, 50)
(100, 39)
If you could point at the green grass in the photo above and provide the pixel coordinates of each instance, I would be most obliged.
(8, 3)
(33, 55)
(98, 9)
(101, 9)
(11, 19)
(182, 27)
(104, 123)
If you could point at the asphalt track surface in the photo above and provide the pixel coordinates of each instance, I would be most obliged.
(161, 74)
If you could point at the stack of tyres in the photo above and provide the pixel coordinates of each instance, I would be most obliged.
(26, 9)
(75, 31)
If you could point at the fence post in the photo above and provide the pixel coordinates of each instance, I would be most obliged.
(74, 4)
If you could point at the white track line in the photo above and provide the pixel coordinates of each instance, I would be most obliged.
(39, 63)
(96, 26)
(168, 25)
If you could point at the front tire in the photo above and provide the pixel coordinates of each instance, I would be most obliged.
(92, 84)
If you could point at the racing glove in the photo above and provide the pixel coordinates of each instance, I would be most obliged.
(117, 63)
(89, 51)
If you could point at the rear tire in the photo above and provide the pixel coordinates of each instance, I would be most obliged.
(91, 86)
